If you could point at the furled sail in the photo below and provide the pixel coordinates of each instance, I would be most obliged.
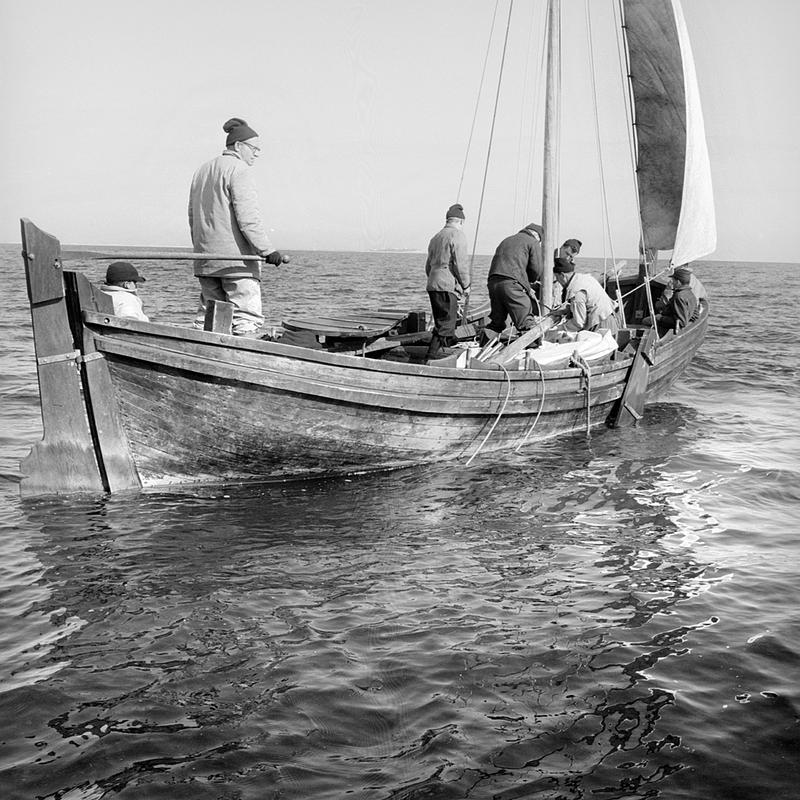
(673, 171)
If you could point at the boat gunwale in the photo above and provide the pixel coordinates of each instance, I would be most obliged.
(108, 322)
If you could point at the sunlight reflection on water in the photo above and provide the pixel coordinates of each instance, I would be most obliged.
(609, 616)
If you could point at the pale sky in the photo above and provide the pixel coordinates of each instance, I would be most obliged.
(364, 108)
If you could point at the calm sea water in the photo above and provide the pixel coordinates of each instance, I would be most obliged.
(614, 617)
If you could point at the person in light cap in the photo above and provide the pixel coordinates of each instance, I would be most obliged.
(586, 305)
(513, 280)
(449, 275)
(121, 286)
(225, 218)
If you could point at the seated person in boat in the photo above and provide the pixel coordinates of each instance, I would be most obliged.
(698, 290)
(224, 217)
(120, 286)
(569, 250)
(515, 269)
(584, 301)
(448, 271)
(681, 306)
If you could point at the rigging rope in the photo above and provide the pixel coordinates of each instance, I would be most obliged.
(603, 191)
(491, 131)
(557, 143)
(522, 119)
(477, 101)
(494, 424)
(536, 110)
(622, 49)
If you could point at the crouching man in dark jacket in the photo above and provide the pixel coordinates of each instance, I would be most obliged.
(515, 270)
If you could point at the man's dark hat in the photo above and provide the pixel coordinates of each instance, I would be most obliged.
(575, 244)
(682, 274)
(238, 131)
(562, 264)
(456, 210)
(121, 271)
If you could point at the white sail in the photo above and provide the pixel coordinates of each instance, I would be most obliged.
(697, 229)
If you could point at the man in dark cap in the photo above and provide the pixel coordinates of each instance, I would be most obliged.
(569, 250)
(586, 303)
(680, 309)
(515, 271)
(121, 286)
(225, 218)
(448, 271)
(698, 290)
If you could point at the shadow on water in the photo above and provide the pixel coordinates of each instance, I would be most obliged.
(442, 632)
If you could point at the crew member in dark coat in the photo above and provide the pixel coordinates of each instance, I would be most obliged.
(515, 271)
(680, 308)
(698, 290)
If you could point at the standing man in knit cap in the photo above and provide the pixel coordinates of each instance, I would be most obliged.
(514, 274)
(586, 304)
(225, 218)
(680, 309)
(448, 272)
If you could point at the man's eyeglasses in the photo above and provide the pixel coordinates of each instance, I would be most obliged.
(252, 147)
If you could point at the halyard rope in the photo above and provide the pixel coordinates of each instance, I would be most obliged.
(491, 131)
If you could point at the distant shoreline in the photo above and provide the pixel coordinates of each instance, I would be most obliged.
(632, 261)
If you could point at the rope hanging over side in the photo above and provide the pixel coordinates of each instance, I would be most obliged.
(494, 424)
(538, 413)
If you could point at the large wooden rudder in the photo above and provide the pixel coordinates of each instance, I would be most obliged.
(630, 408)
(64, 461)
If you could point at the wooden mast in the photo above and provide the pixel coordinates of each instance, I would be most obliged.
(550, 196)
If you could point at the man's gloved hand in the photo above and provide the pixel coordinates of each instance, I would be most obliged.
(275, 258)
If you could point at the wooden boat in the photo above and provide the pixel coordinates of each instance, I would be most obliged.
(128, 404)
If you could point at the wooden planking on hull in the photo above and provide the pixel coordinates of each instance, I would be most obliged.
(427, 394)
(251, 431)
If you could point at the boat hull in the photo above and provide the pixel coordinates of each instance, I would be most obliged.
(202, 407)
